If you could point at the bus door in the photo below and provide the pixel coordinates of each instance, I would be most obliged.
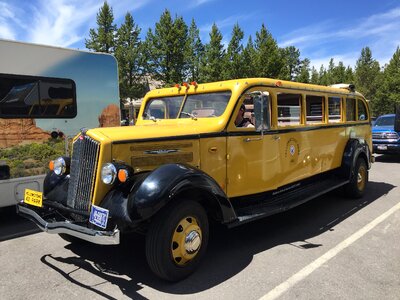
(253, 156)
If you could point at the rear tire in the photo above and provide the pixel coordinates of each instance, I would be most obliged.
(177, 240)
(356, 187)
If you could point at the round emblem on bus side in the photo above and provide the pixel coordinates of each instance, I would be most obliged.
(292, 150)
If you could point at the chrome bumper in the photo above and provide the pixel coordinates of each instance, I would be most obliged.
(87, 234)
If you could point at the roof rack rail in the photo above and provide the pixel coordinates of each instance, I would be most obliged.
(348, 86)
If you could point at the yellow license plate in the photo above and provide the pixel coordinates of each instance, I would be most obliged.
(33, 197)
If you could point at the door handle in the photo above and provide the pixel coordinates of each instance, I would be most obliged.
(276, 137)
(246, 140)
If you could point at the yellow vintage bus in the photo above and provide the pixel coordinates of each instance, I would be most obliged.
(233, 151)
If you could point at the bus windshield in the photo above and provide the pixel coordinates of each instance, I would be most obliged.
(193, 106)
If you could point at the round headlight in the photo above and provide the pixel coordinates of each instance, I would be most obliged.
(59, 166)
(108, 173)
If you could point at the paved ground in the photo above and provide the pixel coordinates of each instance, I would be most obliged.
(332, 248)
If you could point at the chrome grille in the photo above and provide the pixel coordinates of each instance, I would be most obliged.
(83, 172)
(385, 136)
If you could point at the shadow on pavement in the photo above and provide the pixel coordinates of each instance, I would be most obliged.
(388, 158)
(230, 250)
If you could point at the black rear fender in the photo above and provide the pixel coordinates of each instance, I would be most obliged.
(355, 148)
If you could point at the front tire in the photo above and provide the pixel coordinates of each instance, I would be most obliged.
(356, 187)
(177, 240)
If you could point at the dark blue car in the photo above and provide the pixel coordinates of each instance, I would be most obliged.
(384, 138)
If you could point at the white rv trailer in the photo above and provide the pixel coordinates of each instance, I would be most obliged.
(48, 94)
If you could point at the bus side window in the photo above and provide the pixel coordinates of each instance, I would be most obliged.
(362, 110)
(334, 109)
(289, 109)
(314, 109)
(350, 109)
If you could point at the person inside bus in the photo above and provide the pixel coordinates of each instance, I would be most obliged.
(241, 121)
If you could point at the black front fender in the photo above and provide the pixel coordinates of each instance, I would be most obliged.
(163, 184)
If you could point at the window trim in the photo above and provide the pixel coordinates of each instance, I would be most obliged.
(56, 80)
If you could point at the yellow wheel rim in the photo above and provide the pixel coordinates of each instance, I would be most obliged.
(186, 241)
(361, 178)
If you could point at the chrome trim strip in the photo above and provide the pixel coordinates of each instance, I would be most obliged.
(94, 236)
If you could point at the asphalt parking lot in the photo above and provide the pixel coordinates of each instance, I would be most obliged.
(331, 248)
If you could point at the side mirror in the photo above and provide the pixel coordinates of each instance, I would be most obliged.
(261, 112)
(397, 119)
(4, 172)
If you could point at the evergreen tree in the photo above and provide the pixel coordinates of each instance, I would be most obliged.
(291, 56)
(367, 73)
(269, 61)
(248, 59)
(166, 49)
(304, 74)
(103, 39)
(314, 76)
(194, 53)
(234, 67)
(339, 73)
(388, 94)
(212, 64)
(128, 52)
(330, 72)
(323, 76)
(349, 75)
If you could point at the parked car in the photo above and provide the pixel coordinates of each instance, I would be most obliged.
(384, 138)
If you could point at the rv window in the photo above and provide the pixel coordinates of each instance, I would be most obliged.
(36, 97)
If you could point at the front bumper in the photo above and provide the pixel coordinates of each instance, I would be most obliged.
(91, 235)
(382, 147)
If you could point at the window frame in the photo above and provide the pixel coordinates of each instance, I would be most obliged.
(38, 79)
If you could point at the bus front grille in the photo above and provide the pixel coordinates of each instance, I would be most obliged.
(83, 172)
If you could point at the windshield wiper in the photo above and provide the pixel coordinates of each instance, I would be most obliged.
(154, 119)
(189, 114)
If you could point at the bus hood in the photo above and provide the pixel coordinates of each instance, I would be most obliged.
(157, 130)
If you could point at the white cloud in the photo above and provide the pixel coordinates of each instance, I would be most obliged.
(57, 22)
(6, 15)
(381, 32)
(222, 24)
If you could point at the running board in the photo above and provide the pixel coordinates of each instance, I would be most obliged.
(280, 202)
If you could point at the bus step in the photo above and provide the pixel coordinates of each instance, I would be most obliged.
(274, 204)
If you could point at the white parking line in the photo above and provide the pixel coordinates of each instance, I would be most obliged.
(303, 273)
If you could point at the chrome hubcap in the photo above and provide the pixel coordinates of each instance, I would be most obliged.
(186, 241)
(359, 178)
(192, 242)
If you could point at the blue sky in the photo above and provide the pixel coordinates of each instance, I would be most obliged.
(320, 29)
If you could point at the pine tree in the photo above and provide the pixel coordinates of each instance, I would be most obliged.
(314, 76)
(388, 94)
(103, 39)
(194, 53)
(339, 73)
(292, 62)
(166, 49)
(367, 74)
(323, 76)
(349, 75)
(304, 73)
(212, 64)
(234, 67)
(128, 51)
(269, 61)
(248, 59)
